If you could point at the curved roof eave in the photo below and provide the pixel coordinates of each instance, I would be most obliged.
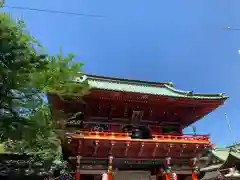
(231, 159)
(190, 93)
(148, 88)
(221, 154)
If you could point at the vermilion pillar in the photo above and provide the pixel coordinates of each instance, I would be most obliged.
(169, 174)
(194, 169)
(167, 168)
(194, 175)
(78, 173)
(110, 168)
(78, 168)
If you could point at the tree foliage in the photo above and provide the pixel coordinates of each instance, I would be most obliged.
(26, 75)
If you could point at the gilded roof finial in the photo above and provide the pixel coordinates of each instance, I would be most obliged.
(170, 83)
(190, 93)
(221, 94)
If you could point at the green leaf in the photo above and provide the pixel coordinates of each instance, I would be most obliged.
(26, 124)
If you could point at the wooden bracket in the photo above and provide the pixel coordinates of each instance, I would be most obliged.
(79, 146)
(155, 150)
(111, 148)
(127, 147)
(141, 149)
(96, 148)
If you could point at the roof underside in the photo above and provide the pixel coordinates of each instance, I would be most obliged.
(144, 87)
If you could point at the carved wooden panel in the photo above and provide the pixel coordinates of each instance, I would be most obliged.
(115, 127)
(98, 109)
(155, 129)
(101, 110)
(119, 111)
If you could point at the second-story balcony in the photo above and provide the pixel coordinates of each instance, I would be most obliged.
(111, 136)
(121, 145)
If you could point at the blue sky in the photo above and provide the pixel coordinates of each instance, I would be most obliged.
(157, 40)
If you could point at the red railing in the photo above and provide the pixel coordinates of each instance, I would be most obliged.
(204, 139)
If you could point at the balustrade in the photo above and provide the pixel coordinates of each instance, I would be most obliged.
(155, 138)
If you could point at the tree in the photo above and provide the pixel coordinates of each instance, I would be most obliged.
(26, 75)
(18, 58)
(2, 2)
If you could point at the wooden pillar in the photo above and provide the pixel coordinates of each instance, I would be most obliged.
(155, 172)
(167, 168)
(167, 162)
(110, 168)
(194, 175)
(77, 174)
(169, 174)
(110, 111)
(180, 129)
(194, 169)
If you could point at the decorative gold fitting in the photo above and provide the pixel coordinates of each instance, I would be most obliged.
(79, 160)
(109, 168)
(110, 164)
(110, 160)
(194, 162)
(196, 169)
(167, 161)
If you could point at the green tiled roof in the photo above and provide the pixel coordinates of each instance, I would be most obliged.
(232, 159)
(227, 156)
(211, 167)
(236, 155)
(144, 87)
(221, 154)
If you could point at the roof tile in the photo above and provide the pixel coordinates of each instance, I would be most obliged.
(143, 87)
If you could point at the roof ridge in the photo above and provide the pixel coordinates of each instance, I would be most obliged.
(168, 85)
(135, 81)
